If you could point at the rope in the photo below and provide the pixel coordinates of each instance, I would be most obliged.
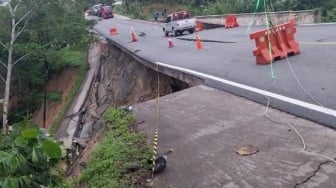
(156, 131)
(304, 147)
(254, 14)
(269, 29)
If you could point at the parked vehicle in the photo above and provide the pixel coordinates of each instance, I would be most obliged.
(106, 12)
(95, 10)
(179, 22)
(101, 10)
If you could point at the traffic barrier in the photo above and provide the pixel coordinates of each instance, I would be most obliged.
(134, 38)
(199, 26)
(275, 43)
(231, 21)
(287, 42)
(293, 21)
(170, 43)
(199, 45)
(113, 31)
(267, 49)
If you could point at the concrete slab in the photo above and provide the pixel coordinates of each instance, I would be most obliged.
(205, 127)
(69, 126)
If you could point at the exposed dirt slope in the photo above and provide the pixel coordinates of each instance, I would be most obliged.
(60, 83)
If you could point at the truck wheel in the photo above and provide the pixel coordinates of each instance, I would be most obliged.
(191, 31)
(167, 33)
(175, 33)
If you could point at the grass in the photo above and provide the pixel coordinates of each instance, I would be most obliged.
(75, 88)
(73, 58)
(120, 160)
(54, 96)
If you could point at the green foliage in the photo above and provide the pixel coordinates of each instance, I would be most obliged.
(120, 149)
(67, 57)
(54, 32)
(54, 96)
(132, 10)
(28, 157)
(330, 15)
(211, 7)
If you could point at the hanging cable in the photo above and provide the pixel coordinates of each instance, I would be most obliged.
(304, 147)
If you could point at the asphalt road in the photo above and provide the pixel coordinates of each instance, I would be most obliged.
(303, 84)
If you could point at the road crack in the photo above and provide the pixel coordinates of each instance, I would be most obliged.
(312, 175)
(205, 40)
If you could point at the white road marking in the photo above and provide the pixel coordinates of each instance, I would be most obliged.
(314, 24)
(255, 90)
(319, 43)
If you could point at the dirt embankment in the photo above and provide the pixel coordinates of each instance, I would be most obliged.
(62, 83)
(120, 80)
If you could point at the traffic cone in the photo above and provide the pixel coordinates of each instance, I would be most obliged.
(134, 38)
(113, 31)
(199, 26)
(199, 45)
(170, 43)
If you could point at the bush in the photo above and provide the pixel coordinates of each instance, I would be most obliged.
(119, 151)
(28, 157)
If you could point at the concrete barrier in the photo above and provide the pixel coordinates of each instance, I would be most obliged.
(301, 17)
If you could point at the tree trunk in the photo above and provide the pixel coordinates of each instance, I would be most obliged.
(8, 78)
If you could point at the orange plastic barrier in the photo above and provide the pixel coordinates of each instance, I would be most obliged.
(275, 43)
(231, 21)
(267, 49)
(286, 38)
(113, 31)
(199, 26)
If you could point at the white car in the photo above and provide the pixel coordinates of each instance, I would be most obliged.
(179, 22)
(95, 10)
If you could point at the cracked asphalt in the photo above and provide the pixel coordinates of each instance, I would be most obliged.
(206, 126)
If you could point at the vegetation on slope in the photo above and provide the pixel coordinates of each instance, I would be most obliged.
(145, 8)
(120, 160)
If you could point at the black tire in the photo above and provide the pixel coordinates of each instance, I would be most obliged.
(167, 34)
(176, 33)
(191, 31)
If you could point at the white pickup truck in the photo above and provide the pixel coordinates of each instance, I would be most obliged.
(179, 22)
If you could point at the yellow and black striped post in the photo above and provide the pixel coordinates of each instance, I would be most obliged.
(155, 148)
(156, 130)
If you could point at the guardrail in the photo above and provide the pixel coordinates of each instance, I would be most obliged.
(245, 19)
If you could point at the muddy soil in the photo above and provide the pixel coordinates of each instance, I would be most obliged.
(58, 83)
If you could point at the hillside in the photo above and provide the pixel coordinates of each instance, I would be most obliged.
(144, 9)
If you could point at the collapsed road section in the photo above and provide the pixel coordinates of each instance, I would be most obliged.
(114, 78)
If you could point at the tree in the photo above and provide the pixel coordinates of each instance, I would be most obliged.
(18, 22)
(34, 32)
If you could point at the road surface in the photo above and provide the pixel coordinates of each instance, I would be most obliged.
(302, 84)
